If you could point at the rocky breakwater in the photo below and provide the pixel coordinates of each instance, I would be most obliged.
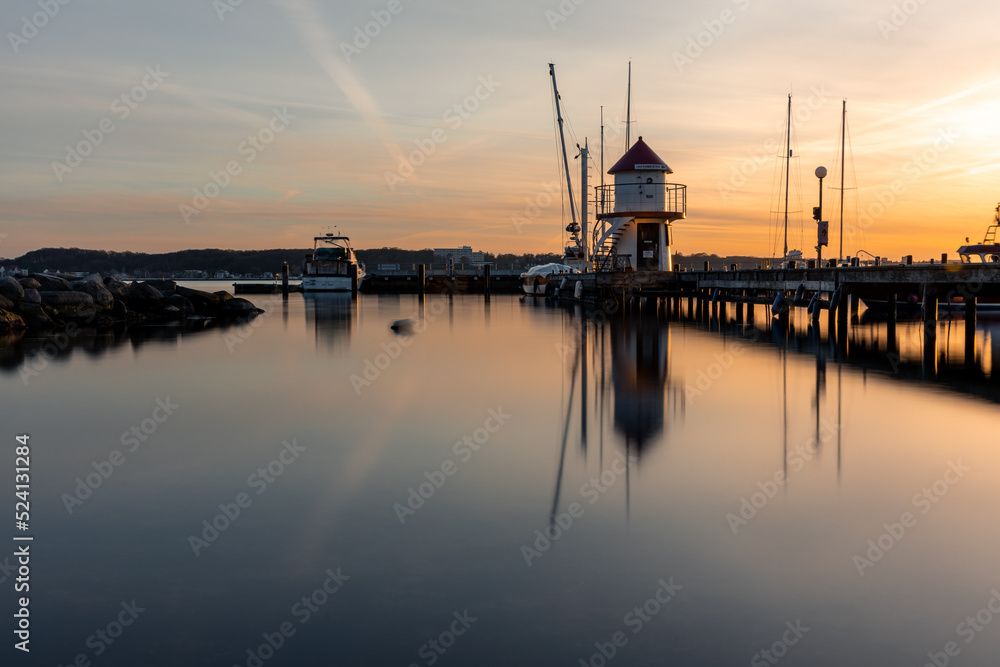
(45, 302)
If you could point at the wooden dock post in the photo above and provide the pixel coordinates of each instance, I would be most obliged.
(421, 279)
(855, 306)
(891, 323)
(354, 279)
(842, 310)
(739, 305)
(970, 331)
(750, 305)
(930, 304)
(930, 330)
(486, 280)
(284, 279)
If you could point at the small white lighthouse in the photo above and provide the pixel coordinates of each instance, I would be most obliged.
(635, 214)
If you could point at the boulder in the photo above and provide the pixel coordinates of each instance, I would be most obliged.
(117, 288)
(223, 295)
(95, 288)
(31, 298)
(205, 304)
(28, 283)
(181, 303)
(11, 321)
(5, 303)
(165, 286)
(69, 305)
(119, 310)
(143, 297)
(34, 316)
(11, 289)
(237, 307)
(47, 283)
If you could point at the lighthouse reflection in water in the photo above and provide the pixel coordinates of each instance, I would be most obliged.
(620, 360)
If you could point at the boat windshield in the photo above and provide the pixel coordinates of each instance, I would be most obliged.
(331, 253)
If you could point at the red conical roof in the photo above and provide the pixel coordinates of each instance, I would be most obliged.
(640, 158)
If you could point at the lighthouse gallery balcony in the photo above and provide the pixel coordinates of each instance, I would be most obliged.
(641, 200)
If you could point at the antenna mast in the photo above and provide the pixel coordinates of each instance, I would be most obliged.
(628, 109)
(788, 160)
(562, 140)
(843, 131)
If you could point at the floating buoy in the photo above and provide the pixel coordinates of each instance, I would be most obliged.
(578, 290)
(402, 326)
(800, 293)
(813, 303)
(779, 307)
(835, 299)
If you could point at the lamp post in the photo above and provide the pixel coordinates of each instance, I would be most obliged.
(818, 217)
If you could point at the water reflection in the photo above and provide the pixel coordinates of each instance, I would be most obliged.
(332, 316)
(39, 349)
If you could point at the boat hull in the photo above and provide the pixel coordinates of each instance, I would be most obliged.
(327, 283)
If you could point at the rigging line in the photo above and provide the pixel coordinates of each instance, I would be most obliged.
(562, 454)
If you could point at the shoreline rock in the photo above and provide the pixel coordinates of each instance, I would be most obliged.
(45, 302)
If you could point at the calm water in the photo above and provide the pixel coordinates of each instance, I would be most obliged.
(510, 483)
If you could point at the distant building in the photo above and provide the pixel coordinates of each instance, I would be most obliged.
(463, 255)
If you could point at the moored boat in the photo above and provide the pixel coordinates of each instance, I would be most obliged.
(989, 250)
(535, 281)
(332, 266)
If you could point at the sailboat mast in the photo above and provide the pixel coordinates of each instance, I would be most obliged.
(628, 109)
(788, 164)
(562, 140)
(843, 133)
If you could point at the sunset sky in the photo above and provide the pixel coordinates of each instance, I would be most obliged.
(313, 119)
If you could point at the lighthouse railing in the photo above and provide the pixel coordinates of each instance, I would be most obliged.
(619, 199)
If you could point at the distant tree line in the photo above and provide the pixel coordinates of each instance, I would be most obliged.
(236, 262)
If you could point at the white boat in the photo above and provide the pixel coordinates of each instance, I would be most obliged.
(332, 266)
(535, 281)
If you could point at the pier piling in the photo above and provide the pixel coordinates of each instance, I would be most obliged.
(891, 322)
(970, 331)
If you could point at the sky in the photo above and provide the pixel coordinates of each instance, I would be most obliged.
(250, 124)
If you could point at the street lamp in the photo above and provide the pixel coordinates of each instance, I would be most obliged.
(822, 227)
